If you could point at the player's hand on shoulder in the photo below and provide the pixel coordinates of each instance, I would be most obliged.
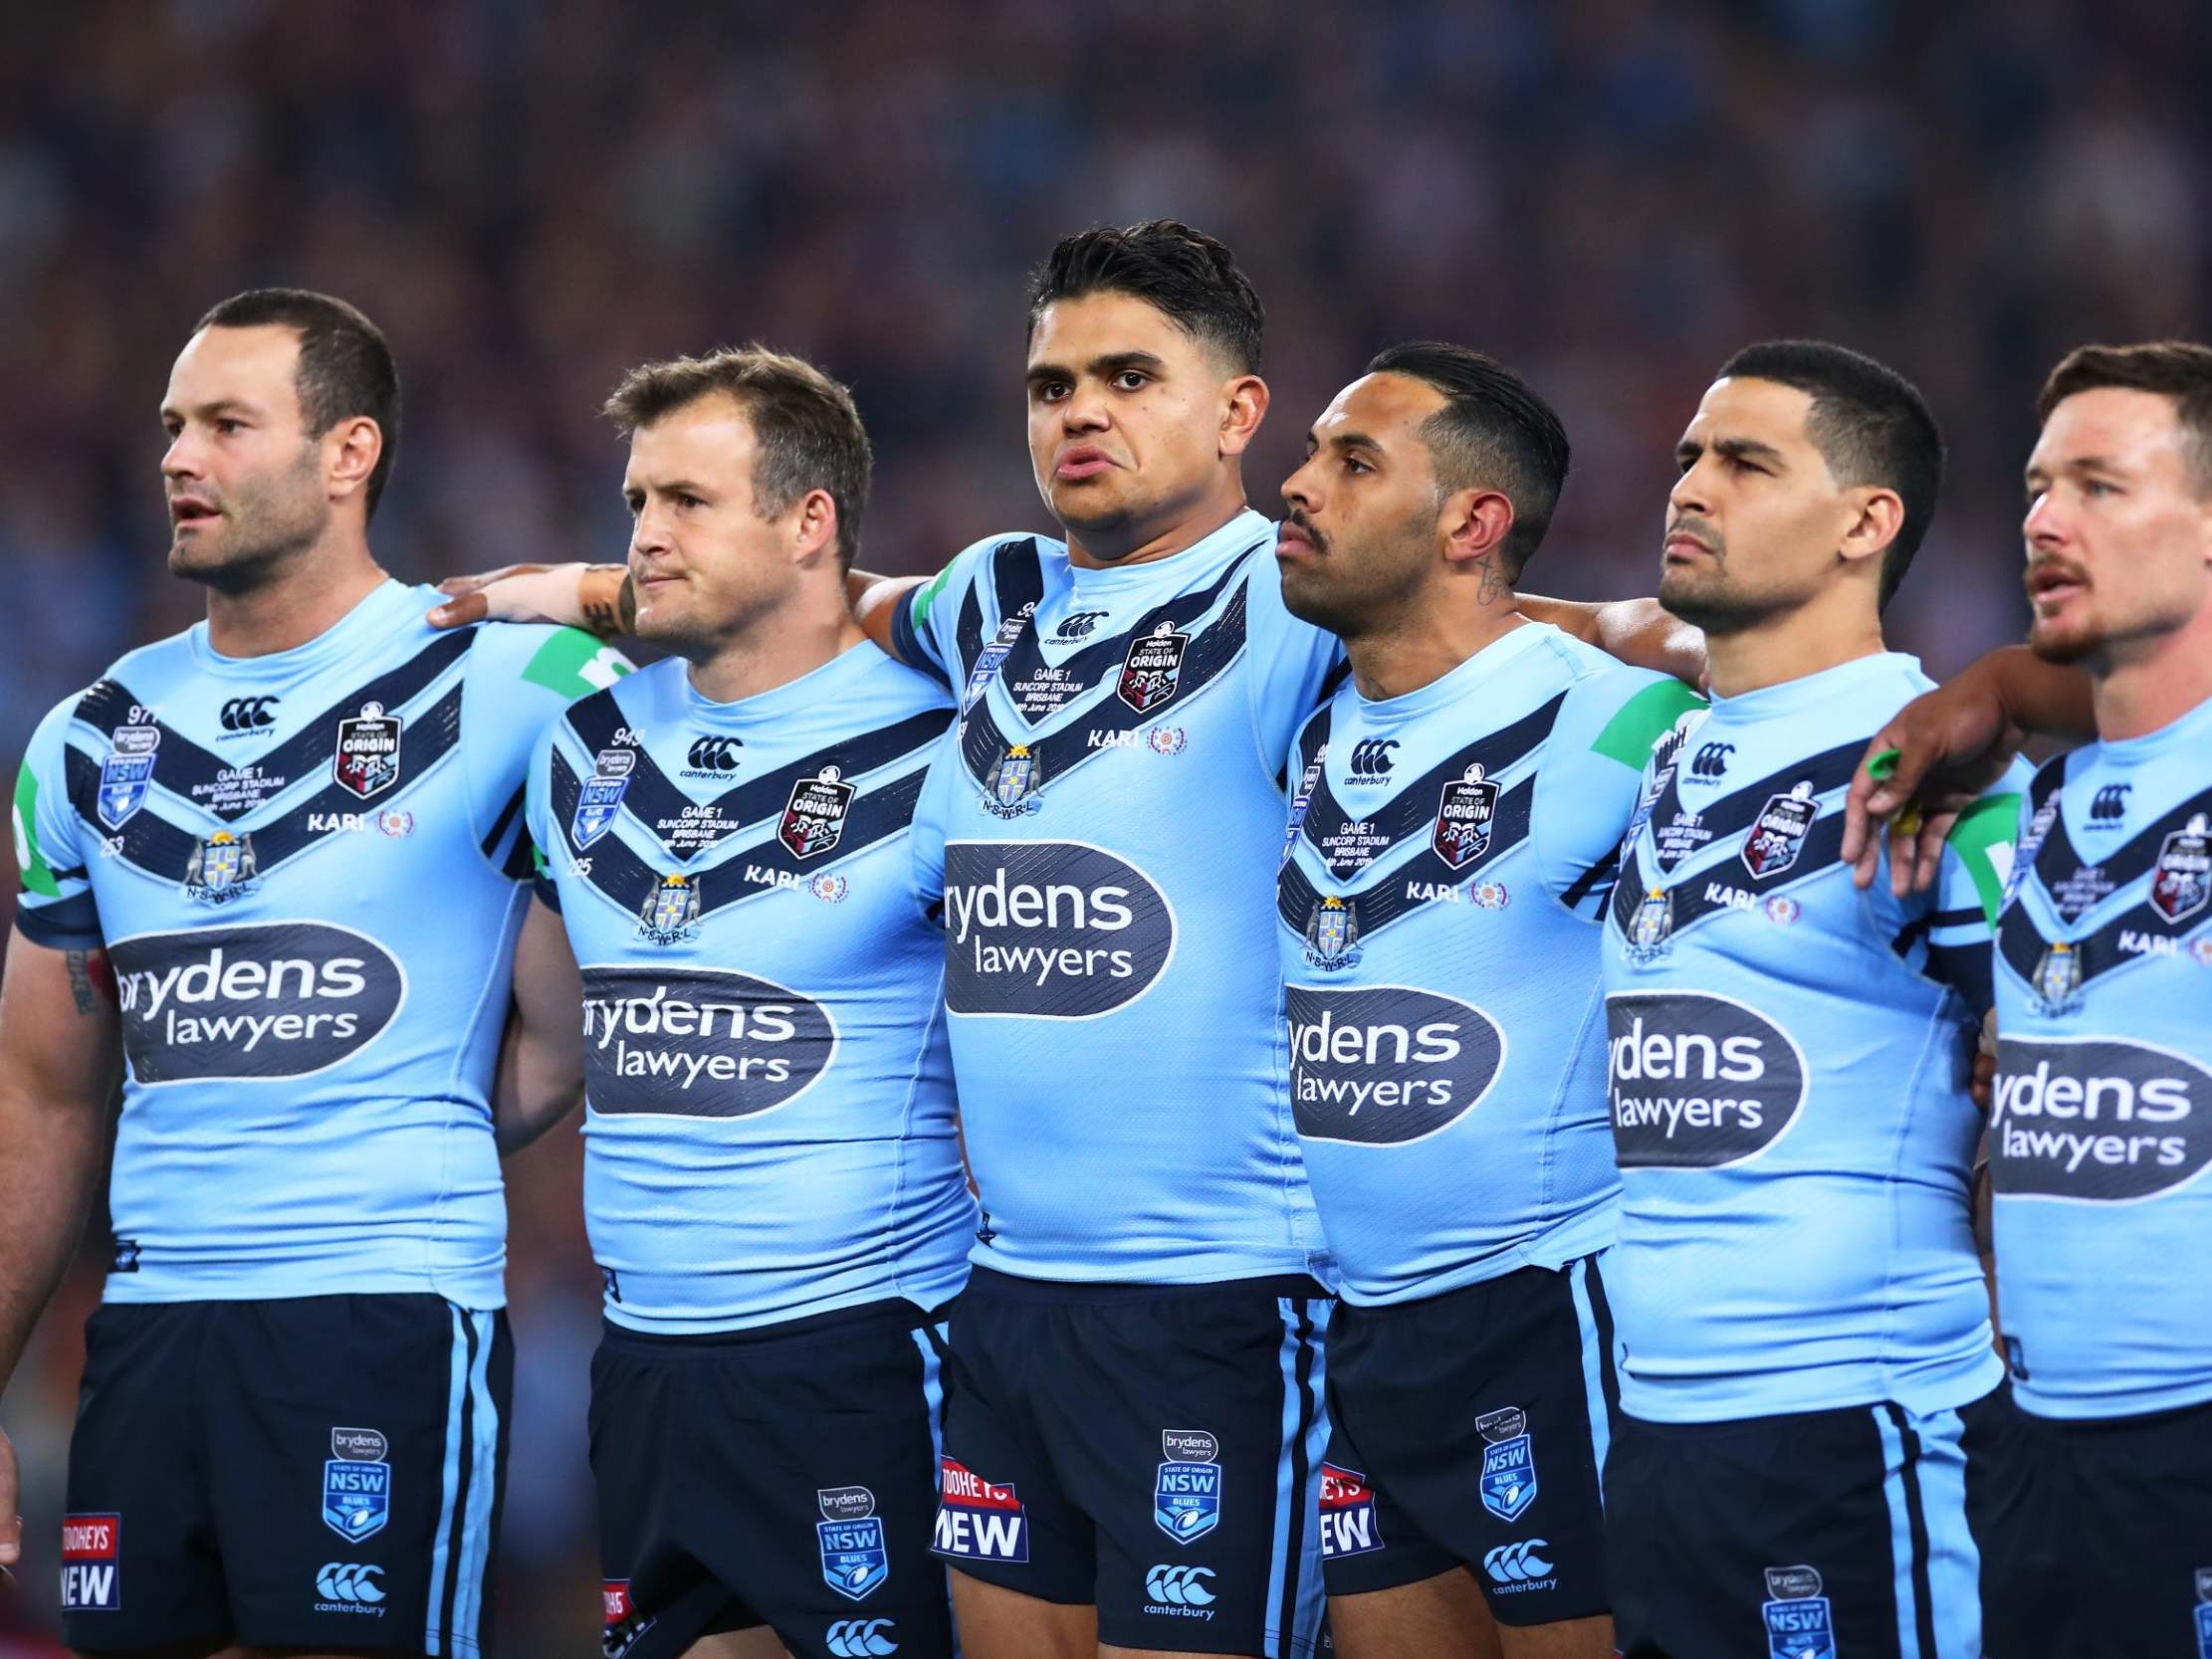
(514, 593)
(1936, 757)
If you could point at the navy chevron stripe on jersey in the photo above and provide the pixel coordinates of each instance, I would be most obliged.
(1391, 896)
(1016, 579)
(108, 705)
(2057, 863)
(1094, 663)
(652, 797)
(1737, 810)
(1413, 808)
(311, 1009)
(1211, 652)
(1713, 890)
(744, 869)
(160, 848)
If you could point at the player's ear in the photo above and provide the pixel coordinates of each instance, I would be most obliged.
(351, 451)
(1473, 523)
(813, 527)
(1876, 518)
(1243, 407)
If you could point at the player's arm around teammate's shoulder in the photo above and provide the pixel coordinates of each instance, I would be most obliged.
(540, 1064)
(59, 1049)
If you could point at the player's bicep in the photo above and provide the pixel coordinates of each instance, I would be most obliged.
(59, 1025)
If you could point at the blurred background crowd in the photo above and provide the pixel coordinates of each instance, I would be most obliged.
(528, 196)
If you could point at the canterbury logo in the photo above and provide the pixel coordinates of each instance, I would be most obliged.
(1179, 1587)
(249, 713)
(1518, 1564)
(715, 754)
(861, 1638)
(1371, 757)
(346, 1582)
(1079, 625)
(1711, 760)
(2109, 803)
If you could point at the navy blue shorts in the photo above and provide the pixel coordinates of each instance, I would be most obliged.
(783, 1476)
(1844, 1532)
(322, 1472)
(1153, 1450)
(1470, 1430)
(2099, 1539)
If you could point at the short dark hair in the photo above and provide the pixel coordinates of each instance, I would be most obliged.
(805, 425)
(1494, 430)
(346, 367)
(1185, 275)
(1870, 425)
(2179, 369)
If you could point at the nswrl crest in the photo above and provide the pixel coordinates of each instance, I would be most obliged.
(601, 796)
(1010, 791)
(671, 912)
(855, 1559)
(221, 868)
(1651, 925)
(356, 1484)
(1187, 1494)
(1508, 1480)
(2057, 977)
(126, 773)
(1799, 1623)
(1332, 934)
(1462, 833)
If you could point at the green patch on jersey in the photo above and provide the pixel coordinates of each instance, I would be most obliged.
(576, 664)
(1990, 823)
(30, 863)
(925, 596)
(1644, 719)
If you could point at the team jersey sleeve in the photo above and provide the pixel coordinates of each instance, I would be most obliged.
(518, 679)
(925, 626)
(537, 825)
(1592, 776)
(927, 829)
(54, 906)
(1960, 912)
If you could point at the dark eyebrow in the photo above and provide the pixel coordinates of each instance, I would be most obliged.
(666, 487)
(211, 411)
(1747, 449)
(1110, 365)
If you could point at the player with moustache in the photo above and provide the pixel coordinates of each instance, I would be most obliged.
(1812, 1404)
(1456, 828)
(2100, 1536)
(272, 870)
(773, 1182)
(1134, 1427)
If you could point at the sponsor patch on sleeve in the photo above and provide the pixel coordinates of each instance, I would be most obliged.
(574, 663)
(30, 863)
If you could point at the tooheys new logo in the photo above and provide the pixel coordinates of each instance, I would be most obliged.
(2100, 1119)
(1059, 930)
(698, 1043)
(1696, 1081)
(1378, 1064)
(262, 1000)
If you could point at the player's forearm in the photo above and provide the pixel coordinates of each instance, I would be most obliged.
(875, 601)
(2045, 700)
(47, 1180)
(541, 1082)
(1640, 632)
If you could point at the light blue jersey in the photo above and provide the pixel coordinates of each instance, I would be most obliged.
(1788, 1069)
(2103, 1120)
(1106, 828)
(1440, 909)
(769, 1129)
(305, 868)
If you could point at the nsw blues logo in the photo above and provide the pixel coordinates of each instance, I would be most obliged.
(855, 1559)
(987, 664)
(126, 773)
(1187, 1496)
(1799, 1623)
(602, 794)
(356, 1484)
(1508, 1481)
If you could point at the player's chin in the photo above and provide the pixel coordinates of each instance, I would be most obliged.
(2062, 639)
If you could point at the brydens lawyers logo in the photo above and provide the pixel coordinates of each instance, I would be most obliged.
(856, 1557)
(1187, 1496)
(978, 1518)
(1799, 1622)
(91, 1577)
(356, 1484)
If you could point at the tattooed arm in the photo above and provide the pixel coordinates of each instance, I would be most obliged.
(60, 1061)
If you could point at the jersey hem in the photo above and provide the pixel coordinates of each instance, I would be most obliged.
(480, 1292)
(1947, 1392)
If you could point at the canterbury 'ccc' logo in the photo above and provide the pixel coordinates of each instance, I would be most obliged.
(1179, 1587)
(861, 1638)
(350, 1582)
(1518, 1564)
(1371, 757)
(714, 755)
(249, 713)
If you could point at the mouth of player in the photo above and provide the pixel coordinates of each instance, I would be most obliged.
(2050, 586)
(1682, 547)
(1082, 462)
(189, 513)
(1296, 541)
